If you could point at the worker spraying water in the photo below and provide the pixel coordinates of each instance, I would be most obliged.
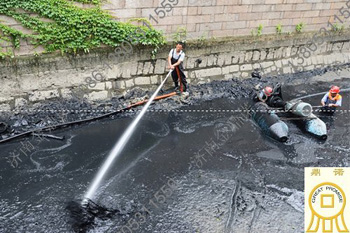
(175, 62)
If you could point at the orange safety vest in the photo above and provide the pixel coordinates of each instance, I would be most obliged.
(332, 100)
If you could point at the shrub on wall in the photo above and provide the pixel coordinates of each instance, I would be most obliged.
(70, 28)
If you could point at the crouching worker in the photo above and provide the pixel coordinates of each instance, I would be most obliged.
(331, 100)
(272, 96)
(175, 62)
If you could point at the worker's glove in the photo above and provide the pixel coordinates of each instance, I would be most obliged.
(257, 87)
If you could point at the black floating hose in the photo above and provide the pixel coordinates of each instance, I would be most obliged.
(3, 127)
(49, 128)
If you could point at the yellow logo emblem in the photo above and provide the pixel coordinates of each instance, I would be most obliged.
(325, 203)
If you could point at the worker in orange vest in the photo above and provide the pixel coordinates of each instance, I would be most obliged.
(332, 99)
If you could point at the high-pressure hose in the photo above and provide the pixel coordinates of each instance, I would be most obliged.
(179, 78)
(3, 127)
(63, 125)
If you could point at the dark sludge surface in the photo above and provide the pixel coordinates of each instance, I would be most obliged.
(83, 214)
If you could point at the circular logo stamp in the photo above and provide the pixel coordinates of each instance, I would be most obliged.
(327, 202)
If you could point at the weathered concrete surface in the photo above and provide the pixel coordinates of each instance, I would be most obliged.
(53, 76)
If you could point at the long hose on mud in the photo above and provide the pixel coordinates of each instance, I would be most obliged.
(49, 128)
(179, 78)
(317, 94)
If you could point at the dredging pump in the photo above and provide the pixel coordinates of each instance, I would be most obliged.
(269, 106)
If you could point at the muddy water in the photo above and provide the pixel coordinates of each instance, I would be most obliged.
(249, 183)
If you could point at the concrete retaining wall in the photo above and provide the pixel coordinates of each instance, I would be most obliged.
(34, 79)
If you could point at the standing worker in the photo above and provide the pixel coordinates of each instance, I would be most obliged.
(175, 60)
(332, 99)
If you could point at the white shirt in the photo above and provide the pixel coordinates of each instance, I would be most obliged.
(176, 56)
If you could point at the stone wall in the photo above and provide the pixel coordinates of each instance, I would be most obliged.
(37, 78)
(219, 18)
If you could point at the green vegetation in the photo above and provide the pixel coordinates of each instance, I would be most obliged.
(71, 29)
(338, 27)
(259, 31)
(3, 52)
(279, 29)
(299, 27)
(180, 34)
(260, 28)
(89, 1)
(9, 36)
(202, 40)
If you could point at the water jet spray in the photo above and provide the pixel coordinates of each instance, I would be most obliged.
(119, 146)
(84, 213)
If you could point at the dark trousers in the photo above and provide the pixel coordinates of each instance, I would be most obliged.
(175, 75)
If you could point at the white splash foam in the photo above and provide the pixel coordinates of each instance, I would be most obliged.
(293, 197)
